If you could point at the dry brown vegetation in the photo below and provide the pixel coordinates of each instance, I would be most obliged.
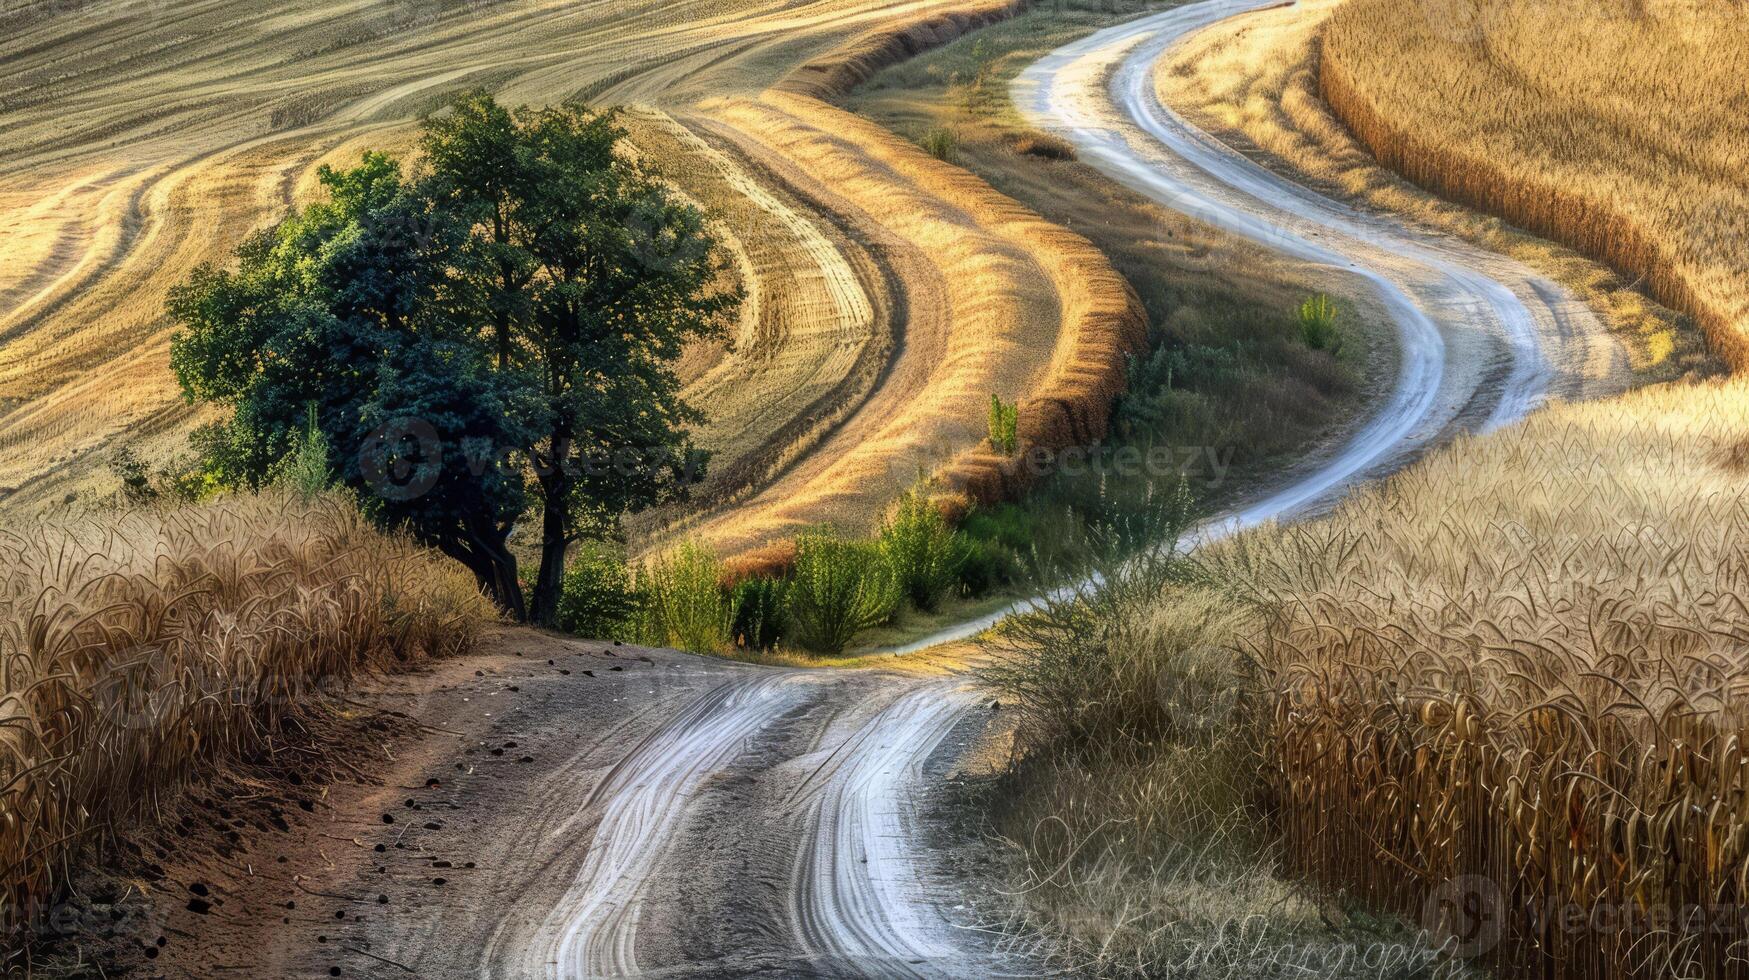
(1523, 660)
(1517, 666)
(1254, 82)
(1614, 126)
(139, 650)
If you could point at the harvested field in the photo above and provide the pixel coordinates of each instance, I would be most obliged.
(1254, 82)
(1015, 306)
(141, 146)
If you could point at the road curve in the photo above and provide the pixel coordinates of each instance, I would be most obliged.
(1483, 339)
(830, 765)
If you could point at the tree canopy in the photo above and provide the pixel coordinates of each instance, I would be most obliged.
(491, 334)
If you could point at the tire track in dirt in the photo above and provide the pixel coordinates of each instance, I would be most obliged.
(857, 894)
(642, 799)
(837, 760)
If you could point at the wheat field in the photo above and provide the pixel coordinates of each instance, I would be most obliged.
(1500, 695)
(1253, 81)
(139, 650)
(1522, 661)
(1613, 126)
(144, 139)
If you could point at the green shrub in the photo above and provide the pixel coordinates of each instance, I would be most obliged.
(597, 599)
(922, 551)
(1009, 525)
(1318, 324)
(1004, 425)
(840, 588)
(940, 143)
(684, 604)
(986, 566)
(304, 471)
(761, 616)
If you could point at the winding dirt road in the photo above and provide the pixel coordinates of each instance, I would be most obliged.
(748, 820)
(1484, 341)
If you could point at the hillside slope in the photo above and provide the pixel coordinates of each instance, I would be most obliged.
(141, 143)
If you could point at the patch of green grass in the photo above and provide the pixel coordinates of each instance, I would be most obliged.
(1318, 324)
(939, 143)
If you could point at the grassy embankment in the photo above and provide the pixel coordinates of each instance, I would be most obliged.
(142, 649)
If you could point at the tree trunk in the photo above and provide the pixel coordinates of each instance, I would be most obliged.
(506, 589)
(556, 487)
(494, 569)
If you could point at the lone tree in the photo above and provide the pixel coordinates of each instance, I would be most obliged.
(494, 334)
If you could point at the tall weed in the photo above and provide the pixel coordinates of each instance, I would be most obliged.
(684, 603)
(840, 589)
(924, 553)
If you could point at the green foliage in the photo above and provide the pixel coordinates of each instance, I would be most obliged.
(184, 479)
(1004, 425)
(512, 310)
(922, 551)
(940, 143)
(986, 566)
(1318, 324)
(304, 470)
(1009, 525)
(598, 599)
(684, 603)
(839, 589)
(761, 613)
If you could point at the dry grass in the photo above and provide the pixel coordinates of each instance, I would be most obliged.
(1254, 82)
(1524, 660)
(1614, 126)
(138, 650)
(1515, 672)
